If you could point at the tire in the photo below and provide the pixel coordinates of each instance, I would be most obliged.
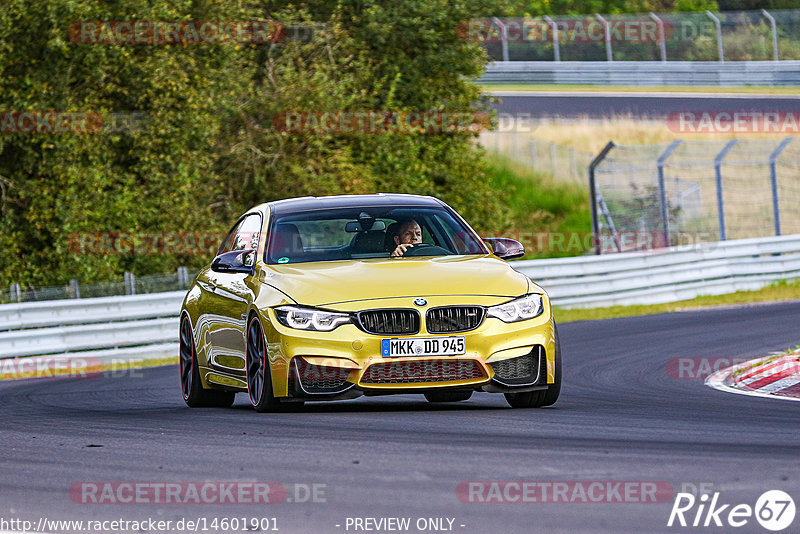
(547, 397)
(194, 395)
(448, 396)
(259, 377)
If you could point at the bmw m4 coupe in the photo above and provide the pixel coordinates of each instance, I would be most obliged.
(328, 298)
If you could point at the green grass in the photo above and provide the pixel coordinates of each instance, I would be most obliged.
(782, 290)
(642, 89)
(551, 219)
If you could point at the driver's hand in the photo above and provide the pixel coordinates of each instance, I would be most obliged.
(401, 249)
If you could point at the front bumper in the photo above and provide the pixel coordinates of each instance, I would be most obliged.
(347, 360)
(409, 375)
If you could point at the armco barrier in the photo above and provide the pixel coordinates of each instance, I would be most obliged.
(651, 73)
(146, 326)
(668, 275)
(92, 310)
(138, 327)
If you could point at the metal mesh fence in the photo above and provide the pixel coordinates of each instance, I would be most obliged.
(130, 285)
(697, 191)
(692, 36)
(562, 162)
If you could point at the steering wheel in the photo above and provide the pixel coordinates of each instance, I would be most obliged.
(425, 249)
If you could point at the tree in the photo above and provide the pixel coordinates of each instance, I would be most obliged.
(208, 148)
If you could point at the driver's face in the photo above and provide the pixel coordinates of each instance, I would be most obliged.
(410, 233)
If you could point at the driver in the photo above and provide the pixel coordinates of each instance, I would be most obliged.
(408, 234)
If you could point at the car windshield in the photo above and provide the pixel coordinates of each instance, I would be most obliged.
(366, 232)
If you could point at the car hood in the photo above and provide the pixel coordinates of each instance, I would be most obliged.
(335, 282)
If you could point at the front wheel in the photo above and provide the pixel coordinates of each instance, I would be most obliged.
(259, 378)
(547, 397)
(193, 393)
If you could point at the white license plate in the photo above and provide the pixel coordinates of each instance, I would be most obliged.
(423, 346)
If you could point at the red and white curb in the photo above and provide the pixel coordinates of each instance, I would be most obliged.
(775, 377)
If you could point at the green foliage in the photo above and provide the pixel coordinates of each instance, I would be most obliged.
(731, 5)
(362, 61)
(153, 180)
(551, 219)
(537, 8)
(641, 212)
(208, 149)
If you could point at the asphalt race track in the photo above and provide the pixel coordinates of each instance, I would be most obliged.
(652, 105)
(620, 418)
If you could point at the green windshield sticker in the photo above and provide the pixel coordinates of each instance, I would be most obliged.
(283, 260)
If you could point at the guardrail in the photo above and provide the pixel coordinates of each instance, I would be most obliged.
(138, 327)
(656, 73)
(667, 275)
(88, 311)
(146, 326)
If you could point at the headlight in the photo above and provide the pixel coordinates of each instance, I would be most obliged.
(310, 319)
(526, 307)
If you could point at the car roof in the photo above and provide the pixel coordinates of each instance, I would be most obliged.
(294, 205)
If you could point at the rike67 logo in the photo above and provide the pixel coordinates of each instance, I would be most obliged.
(774, 510)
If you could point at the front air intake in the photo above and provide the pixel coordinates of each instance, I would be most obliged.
(452, 319)
(389, 321)
(423, 371)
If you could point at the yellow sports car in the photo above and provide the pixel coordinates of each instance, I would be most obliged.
(327, 298)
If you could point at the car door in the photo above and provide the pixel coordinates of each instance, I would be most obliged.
(224, 302)
(233, 298)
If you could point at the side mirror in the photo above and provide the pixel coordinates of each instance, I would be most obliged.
(504, 248)
(236, 261)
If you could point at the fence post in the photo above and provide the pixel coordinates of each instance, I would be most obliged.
(662, 42)
(504, 42)
(718, 173)
(607, 32)
(593, 193)
(662, 189)
(183, 277)
(130, 284)
(556, 46)
(771, 20)
(610, 220)
(719, 35)
(553, 164)
(773, 174)
(533, 153)
(573, 164)
(15, 293)
(74, 289)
